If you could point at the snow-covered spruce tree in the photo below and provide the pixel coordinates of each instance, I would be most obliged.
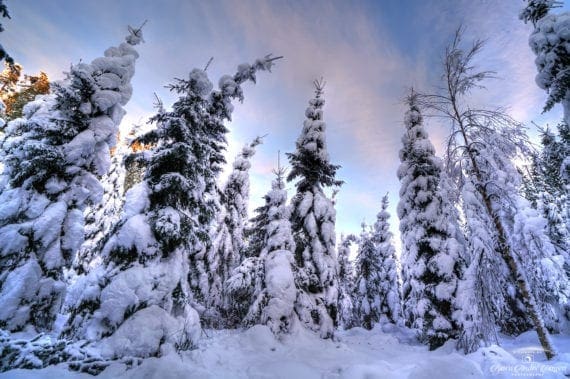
(481, 146)
(143, 284)
(552, 154)
(228, 245)
(430, 252)
(313, 220)
(376, 286)
(345, 282)
(552, 210)
(254, 231)
(549, 41)
(531, 180)
(266, 282)
(367, 295)
(553, 197)
(246, 280)
(17, 90)
(564, 134)
(102, 217)
(54, 157)
(219, 110)
(544, 187)
(389, 287)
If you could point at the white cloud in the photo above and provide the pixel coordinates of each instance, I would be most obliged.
(366, 76)
(367, 67)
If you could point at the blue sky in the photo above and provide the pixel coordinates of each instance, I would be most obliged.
(369, 52)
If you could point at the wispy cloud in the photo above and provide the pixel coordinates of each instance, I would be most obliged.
(366, 76)
(368, 52)
(30, 38)
(506, 52)
(365, 72)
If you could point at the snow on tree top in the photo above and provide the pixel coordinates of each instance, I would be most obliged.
(537, 9)
(199, 83)
(135, 35)
(246, 71)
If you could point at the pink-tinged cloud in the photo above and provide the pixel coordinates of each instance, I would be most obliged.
(368, 52)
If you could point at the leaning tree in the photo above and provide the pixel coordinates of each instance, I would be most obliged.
(480, 149)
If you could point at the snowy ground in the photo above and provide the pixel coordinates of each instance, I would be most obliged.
(357, 353)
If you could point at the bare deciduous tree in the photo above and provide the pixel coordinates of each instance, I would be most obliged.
(481, 141)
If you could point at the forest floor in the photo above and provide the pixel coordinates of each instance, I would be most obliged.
(387, 352)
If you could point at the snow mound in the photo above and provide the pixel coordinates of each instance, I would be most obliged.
(450, 366)
(355, 354)
(147, 332)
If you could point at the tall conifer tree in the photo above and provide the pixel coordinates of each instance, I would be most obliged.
(228, 246)
(313, 221)
(389, 286)
(345, 282)
(151, 254)
(54, 158)
(430, 251)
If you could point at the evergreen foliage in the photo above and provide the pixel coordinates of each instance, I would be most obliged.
(345, 282)
(367, 291)
(430, 252)
(54, 157)
(268, 279)
(313, 220)
(548, 41)
(144, 280)
(389, 286)
(228, 246)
